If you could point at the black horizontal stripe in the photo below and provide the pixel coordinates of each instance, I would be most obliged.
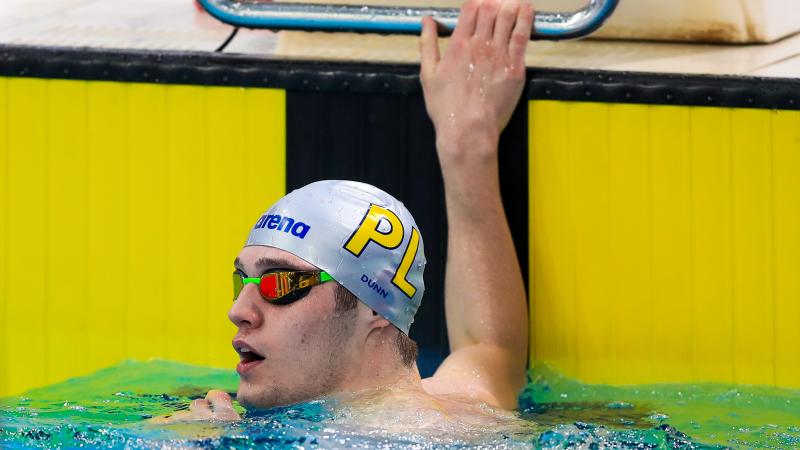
(219, 69)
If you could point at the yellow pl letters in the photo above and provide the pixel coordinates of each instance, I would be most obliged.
(399, 279)
(368, 232)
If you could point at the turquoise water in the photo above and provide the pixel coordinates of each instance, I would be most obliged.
(108, 408)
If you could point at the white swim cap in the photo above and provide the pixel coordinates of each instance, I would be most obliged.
(363, 237)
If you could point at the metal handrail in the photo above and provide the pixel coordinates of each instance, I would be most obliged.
(391, 19)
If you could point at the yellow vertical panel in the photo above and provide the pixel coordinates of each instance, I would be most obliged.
(186, 258)
(630, 277)
(109, 196)
(265, 140)
(552, 237)
(752, 253)
(722, 256)
(5, 364)
(147, 220)
(786, 198)
(66, 229)
(671, 305)
(712, 328)
(227, 218)
(26, 229)
(590, 198)
(225, 130)
(107, 224)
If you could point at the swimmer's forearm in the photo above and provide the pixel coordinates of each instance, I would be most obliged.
(469, 168)
(484, 294)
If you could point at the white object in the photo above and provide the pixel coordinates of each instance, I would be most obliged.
(733, 21)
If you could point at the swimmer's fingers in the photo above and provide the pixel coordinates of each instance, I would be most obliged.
(486, 19)
(467, 19)
(222, 406)
(521, 34)
(216, 406)
(428, 48)
(219, 398)
(200, 409)
(180, 416)
(506, 18)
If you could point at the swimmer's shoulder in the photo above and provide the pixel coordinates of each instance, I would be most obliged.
(468, 405)
(483, 373)
(448, 389)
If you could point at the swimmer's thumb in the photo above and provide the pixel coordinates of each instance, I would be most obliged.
(222, 405)
(428, 46)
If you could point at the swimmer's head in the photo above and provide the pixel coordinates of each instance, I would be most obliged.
(363, 237)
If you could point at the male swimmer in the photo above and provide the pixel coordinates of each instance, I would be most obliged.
(329, 280)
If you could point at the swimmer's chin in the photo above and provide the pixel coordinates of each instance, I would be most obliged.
(249, 403)
(252, 402)
(255, 402)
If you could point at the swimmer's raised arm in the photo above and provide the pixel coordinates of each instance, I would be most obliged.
(470, 93)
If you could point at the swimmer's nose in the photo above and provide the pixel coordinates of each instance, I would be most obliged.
(244, 312)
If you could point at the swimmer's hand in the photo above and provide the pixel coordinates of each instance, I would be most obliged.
(217, 406)
(472, 90)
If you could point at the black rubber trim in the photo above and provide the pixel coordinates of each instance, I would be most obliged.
(205, 68)
(665, 89)
(219, 69)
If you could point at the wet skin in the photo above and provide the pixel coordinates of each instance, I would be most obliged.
(306, 345)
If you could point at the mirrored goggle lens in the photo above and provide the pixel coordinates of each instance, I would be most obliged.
(281, 287)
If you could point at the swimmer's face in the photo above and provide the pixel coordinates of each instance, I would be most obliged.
(307, 345)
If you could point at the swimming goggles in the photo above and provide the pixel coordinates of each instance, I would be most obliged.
(281, 287)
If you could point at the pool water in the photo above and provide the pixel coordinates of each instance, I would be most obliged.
(106, 410)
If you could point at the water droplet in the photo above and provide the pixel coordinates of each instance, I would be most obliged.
(658, 417)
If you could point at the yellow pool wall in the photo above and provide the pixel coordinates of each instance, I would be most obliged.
(664, 240)
(665, 243)
(122, 205)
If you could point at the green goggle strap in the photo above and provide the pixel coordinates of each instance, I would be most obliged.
(323, 277)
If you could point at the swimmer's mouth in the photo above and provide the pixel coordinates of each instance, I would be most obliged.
(246, 353)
